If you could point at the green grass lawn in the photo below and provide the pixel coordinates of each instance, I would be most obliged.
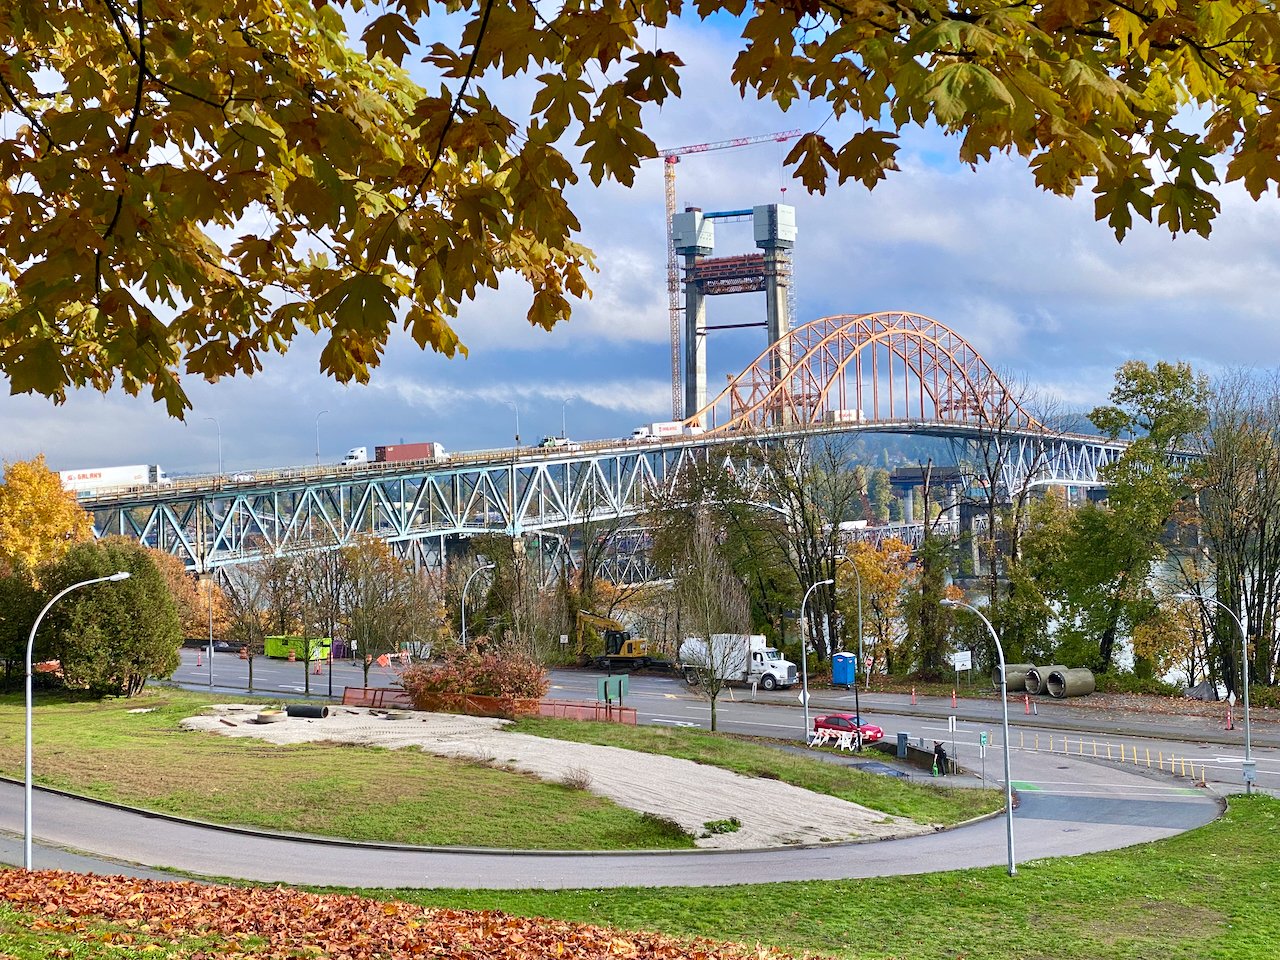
(1210, 894)
(363, 793)
(922, 802)
(102, 749)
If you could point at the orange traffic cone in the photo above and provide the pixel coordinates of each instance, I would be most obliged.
(1026, 703)
(913, 696)
(316, 671)
(953, 699)
(199, 658)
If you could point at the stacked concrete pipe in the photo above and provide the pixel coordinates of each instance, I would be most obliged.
(1077, 682)
(1015, 676)
(1038, 677)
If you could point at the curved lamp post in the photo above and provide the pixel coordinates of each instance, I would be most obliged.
(804, 653)
(31, 642)
(1244, 667)
(318, 416)
(516, 407)
(219, 428)
(1004, 706)
(465, 587)
(564, 432)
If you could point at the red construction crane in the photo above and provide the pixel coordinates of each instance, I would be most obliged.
(671, 158)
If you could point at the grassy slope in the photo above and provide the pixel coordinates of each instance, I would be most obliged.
(1206, 895)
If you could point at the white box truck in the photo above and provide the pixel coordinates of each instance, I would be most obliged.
(738, 658)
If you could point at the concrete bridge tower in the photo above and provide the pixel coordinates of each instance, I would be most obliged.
(693, 236)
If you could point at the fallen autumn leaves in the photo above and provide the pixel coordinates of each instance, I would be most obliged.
(198, 922)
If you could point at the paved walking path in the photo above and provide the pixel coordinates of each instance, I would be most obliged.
(1068, 807)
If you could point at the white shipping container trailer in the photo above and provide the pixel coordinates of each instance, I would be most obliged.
(94, 479)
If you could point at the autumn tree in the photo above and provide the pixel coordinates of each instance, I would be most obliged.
(1112, 549)
(111, 638)
(385, 605)
(39, 521)
(196, 599)
(187, 188)
(885, 574)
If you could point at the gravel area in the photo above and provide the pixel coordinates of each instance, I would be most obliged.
(771, 813)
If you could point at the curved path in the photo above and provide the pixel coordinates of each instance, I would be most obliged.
(1067, 807)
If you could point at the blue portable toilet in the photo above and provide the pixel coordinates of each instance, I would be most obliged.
(844, 669)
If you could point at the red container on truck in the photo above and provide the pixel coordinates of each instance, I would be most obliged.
(408, 451)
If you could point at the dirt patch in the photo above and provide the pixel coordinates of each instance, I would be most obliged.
(770, 813)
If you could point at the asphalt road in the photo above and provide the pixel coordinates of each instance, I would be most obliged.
(1069, 804)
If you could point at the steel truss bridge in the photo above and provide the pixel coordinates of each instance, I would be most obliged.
(880, 372)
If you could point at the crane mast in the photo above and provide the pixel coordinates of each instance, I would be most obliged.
(670, 158)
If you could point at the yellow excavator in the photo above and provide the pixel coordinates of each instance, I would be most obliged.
(621, 649)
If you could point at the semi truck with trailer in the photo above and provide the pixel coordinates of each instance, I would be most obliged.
(737, 658)
(395, 453)
(90, 480)
(662, 430)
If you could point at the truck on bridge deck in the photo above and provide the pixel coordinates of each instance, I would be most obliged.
(663, 429)
(96, 479)
(397, 453)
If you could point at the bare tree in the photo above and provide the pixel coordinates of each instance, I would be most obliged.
(711, 601)
(1239, 509)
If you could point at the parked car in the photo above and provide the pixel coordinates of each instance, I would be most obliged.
(560, 443)
(847, 723)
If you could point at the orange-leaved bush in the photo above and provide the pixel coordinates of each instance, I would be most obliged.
(489, 672)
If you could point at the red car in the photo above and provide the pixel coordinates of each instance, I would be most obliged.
(847, 723)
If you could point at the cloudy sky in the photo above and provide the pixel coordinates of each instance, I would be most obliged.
(1031, 280)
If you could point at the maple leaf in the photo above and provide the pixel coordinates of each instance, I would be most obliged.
(812, 156)
(389, 35)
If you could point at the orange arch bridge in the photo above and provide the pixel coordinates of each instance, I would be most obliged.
(889, 368)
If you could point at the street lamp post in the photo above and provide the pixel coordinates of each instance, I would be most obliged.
(465, 587)
(1244, 675)
(209, 593)
(564, 430)
(31, 642)
(804, 653)
(318, 416)
(1004, 706)
(219, 428)
(516, 407)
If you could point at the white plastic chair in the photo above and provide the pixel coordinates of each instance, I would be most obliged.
(845, 742)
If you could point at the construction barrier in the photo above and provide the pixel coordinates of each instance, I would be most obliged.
(376, 697)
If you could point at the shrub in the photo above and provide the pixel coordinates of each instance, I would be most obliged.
(1131, 683)
(493, 672)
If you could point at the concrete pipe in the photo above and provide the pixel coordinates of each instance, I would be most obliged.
(311, 711)
(1015, 676)
(1038, 678)
(1077, 682)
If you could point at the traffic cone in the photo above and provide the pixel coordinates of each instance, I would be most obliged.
(913, 696)
(1026, 703)
(1230, 717)
(953, 699)
(316, 671)
(199, 658)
